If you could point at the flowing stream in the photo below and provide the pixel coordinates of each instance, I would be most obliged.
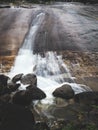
(50, 69)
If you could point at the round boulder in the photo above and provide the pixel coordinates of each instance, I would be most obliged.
(65, 92)
(25, 97)
(29, 79)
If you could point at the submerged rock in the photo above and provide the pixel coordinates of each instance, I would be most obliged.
(68, 112)
(65, 92)
(29, 79)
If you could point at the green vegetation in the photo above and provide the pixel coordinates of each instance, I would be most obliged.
(91, 127)
(69, 127)
(72, 126)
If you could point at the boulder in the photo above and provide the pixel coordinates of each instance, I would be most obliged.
(13, 87)
(29, 79)
(17, 78)
(25, 97)
(21, 98)
(14, 117)
(87, 98)
(9, 89)
(65, 92)
(3, 84)
(36, 93)
(3, 80)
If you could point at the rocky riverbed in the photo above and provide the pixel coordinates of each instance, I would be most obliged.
(69, 110)
(82, 65)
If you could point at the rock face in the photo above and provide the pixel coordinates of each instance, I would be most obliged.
(15, 25)
(29, 79)
(65, 92)
(14, 117)
(25, 97)
(87, 98)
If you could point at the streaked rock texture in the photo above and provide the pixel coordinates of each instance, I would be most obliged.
(15, 24)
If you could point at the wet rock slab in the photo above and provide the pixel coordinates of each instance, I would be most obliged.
(15, 25)
(83, 66)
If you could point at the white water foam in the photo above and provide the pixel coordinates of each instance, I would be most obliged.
(48, 86)
(50, 69)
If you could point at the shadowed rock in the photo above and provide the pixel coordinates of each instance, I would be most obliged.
(9, 89)
(3, 80)
(87, 98)
(36, 93)
(5, 87)
(41, 126)
(17, 78)
(13, 87)
(25, 97)
(68, 112)
(5, 98)
(65, 92)
(14, 117)
(29, 79)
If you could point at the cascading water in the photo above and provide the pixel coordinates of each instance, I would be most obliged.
(24, 61)
(50, 68)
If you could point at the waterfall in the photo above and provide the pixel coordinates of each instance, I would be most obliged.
(50, 69)
(24, 61)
